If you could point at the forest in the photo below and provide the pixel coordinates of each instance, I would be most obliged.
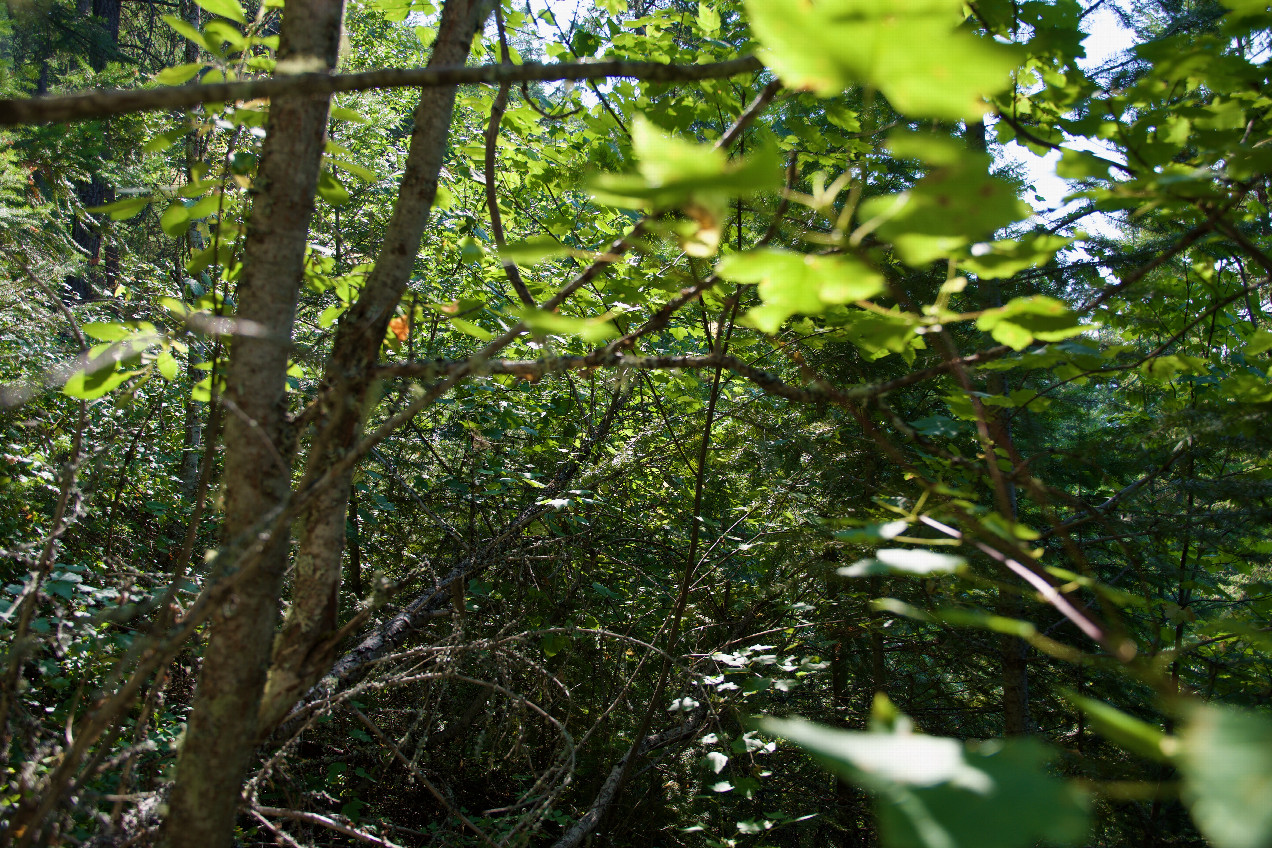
(635, 423)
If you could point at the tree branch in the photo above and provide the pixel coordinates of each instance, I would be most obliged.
(102, 103)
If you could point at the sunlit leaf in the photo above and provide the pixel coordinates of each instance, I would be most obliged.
(914, 51)
(175, 219)
(791, 283)
(1024, 319)
(934, 792)
(532, 251)
(122, 210)
(906, 562)
(331, 190)
(947, 210)
(167, 365)
(1133, 734)
(471, 329)
(179, 74)
(672, 172)
(553, 323)
(225, 8)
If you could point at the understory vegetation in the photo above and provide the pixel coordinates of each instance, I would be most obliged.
(634, 423)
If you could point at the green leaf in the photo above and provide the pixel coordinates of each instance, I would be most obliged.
(533, 250)
(941, 793)
(1168, 367)
(205, 206)
(122, 210)
(1024, 319)
(1002, 259)
(179, 74)
(175, 219)
(225, 8)
(937, 426)
(905, 562)
(331, 190)
(471, 329)
(553, 643)
(222, 33)
(914, 51)
(350, 167)
(873, 532)
(708, 18)
(1133, 734)
(90, 383)
(164, 140)
(552, 323)
(106, 332)
(340, 113)
(185, 29)
(878, 335)
(1225, 759)
(945, 211)
(175, 306)
(167, 365)
(791, 283)
(672, 172)
(1259, 341)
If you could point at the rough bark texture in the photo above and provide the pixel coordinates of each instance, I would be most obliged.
(304, 650)
(220, 735)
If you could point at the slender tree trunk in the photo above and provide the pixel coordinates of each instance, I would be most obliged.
(192, 430)
(1013, 652)
(103, 265)
(304, 650)
(221, 733)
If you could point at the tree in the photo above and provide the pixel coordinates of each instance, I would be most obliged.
(648, 389)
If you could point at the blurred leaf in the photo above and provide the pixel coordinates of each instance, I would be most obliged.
(175, 219)
(905, 562)
(225, 8)
(122, 210)
(1226, 761)
(914, 51)
(331, 190)
(1133, 734)
(942, 793)
(552, 323)
(672, 172)
(533, 250)
(179, 74)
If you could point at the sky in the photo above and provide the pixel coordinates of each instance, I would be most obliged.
(1107, 38)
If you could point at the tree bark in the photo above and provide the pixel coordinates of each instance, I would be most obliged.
(221, 733)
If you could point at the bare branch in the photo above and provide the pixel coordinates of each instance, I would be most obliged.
(101, 103)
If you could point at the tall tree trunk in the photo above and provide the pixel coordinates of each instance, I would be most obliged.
(221, 733)
(103, 265)
(1012, 651)
(304, 650)
(192, 429)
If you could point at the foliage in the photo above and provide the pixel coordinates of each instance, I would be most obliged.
(714, 423)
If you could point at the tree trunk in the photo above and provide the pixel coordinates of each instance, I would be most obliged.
(304, 650)
(221, 733)
(103, 266)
